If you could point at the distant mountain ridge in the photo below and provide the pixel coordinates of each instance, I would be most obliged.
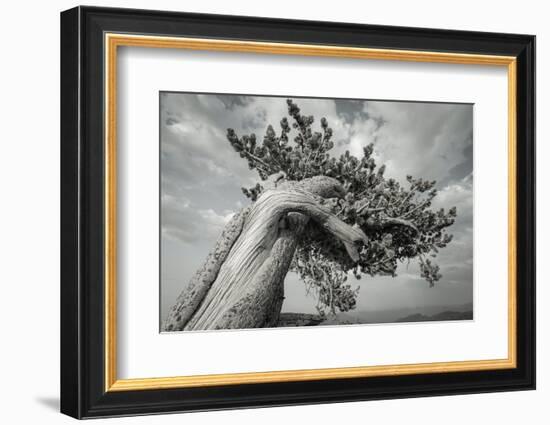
(402, 315)
(445, 315)
(414, 314)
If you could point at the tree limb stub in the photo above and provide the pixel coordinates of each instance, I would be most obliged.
(288, 201)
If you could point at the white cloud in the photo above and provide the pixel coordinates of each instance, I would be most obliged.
(421, 139)
(181, 219)
(214, 219)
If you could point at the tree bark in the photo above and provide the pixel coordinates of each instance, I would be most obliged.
(241, 284)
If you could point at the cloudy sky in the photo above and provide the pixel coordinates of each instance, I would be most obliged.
(201, 177)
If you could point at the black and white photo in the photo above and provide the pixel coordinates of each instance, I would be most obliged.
(290, 211)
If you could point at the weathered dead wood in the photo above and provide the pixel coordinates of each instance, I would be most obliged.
(242, 286)
(189, 300)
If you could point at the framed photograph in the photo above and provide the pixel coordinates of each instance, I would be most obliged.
(261, 212)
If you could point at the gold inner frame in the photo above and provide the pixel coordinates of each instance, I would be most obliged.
(113, 41)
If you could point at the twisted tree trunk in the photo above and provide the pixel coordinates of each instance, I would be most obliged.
(241, 284)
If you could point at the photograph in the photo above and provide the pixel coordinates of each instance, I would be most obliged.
(286, 211)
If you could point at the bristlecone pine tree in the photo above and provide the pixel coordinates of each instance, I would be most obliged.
(320, 216)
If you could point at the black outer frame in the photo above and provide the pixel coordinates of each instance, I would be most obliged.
(82, 219)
